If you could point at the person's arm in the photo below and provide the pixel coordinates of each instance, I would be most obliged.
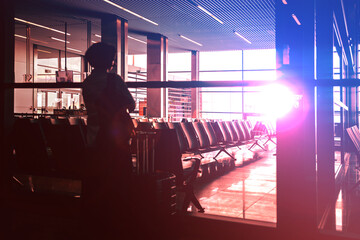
(129, 102)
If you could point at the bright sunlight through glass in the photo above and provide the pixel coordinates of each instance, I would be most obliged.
(277, 100)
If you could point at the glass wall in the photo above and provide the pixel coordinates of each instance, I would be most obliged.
(179, 100)
(235, 102)
(137, 65)
(42, 58)
(215, 103)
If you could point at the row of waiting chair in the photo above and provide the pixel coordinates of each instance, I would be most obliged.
(207, 139)
(49, 146)
(57, 147)
(56, 143)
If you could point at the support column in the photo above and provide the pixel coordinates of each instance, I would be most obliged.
(7, 30)
(157, 51)
(325, 115)
(165, 102)
(296, 175)
(195, 97)
(86, 65)
(28, 57)
(114, 31)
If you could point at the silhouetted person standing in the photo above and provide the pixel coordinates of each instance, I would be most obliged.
(106, 185)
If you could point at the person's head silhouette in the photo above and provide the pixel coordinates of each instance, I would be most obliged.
(100, 56)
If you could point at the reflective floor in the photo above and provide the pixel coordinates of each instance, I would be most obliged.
(246, 192)
(348, 202)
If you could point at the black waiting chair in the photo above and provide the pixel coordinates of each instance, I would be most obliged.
(31, 151)
(168, 158)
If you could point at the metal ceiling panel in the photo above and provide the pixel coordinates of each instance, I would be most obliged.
(253, 19)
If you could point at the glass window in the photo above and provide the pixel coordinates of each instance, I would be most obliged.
(252, 102)
(179, 103)
(221, 102)
(259, 59)
(139, 60)
(224, 60)
(179, 61)
(73, 63)
(337, 98)
(20, 52)
(222, 89)
(260, 75)
(53, 99)
(221, 76)
(222, 116)
(23, 100)
(179, 76)
(336, 60)
(47, 63)
(235, 66)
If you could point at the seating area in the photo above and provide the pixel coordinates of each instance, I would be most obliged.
(215, 143)
(191, 149)
(59, 143)
(56, 148)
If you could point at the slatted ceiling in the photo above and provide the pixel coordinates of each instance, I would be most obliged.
(253, 19)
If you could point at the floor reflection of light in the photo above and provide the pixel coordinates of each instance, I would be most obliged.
(248, 192)
(236, 187)
(338, 212)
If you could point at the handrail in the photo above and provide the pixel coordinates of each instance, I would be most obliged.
(191, 84)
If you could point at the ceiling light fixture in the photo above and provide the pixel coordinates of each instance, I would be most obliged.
(41, 26)
(127, 10)
(296, 19)
(59, 40)
(99, 36)
(209, 13)
(284, 2)
(40, 50)
(32, 39)
(72, 49)
(243, 38)
(138, 40)
(19, 36)
(190, 40)
(94, 42)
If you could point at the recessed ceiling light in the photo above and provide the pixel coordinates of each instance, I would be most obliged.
(138, 40)
(99, 36)
(72, 49)
(94, 42)
(40, 50)
(204, 10)
(209, 13)
(32, 39)
(41, 26)
(19, 36)
(296, 19)
(284, 2)
(243, 38)
(59, 40)
(131, 12)
(190, 40)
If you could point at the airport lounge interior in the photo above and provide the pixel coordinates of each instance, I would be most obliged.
(217, 119)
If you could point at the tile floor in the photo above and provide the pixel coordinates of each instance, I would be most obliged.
(249, 192)
(246, 192)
